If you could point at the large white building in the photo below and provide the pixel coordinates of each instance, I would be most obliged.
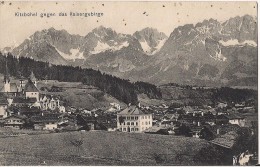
(132, 119)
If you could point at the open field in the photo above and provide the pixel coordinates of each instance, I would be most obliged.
(99, 148)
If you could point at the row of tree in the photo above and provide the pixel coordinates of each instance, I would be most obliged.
(121, 89)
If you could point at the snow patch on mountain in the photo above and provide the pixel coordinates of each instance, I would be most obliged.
(151, 51)
(233, 42)
(146, 48)
(75, 54)
(101, 47)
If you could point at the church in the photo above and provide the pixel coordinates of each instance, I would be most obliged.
(27, 90)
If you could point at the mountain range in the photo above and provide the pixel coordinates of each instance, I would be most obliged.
(209, 53)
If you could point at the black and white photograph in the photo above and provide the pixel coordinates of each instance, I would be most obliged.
(129, 83)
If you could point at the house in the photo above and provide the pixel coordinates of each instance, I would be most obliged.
(46, 121)
(91, 123)
(132, 119)
(236, 119)
(227, 140)
(21, 101)
(195, 131)
(114, 107)
(3, 107)
(31, 91)
(14, 121)
(112, 126)
(157, 130)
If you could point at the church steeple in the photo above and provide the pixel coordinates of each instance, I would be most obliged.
(7, 85)
(33, 78)
(6, 77)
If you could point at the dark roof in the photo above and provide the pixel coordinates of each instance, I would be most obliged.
(16, 116)
(132, 110)
(30, 87)
(24, 100)
(3, 101)
(45, 118)
(196, 128)
(28, 109)
(234, 116)
(110, 125)
(227, 140)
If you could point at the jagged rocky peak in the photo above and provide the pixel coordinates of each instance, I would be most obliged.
(102, 31)
(242, 28)
(150, 39)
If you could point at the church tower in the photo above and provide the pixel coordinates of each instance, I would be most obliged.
(22, 82)
(7, 85)
(33, 79)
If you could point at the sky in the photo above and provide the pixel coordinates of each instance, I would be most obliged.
(123, 17)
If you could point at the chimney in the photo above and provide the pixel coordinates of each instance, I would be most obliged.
(202, 113)
(42, 114)
(139, 105)
(198, 123)
(18, 112)
(217, 131)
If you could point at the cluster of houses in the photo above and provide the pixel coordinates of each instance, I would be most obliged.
(20, 102)
(23, 105)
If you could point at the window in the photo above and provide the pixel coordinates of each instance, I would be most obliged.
(136, 129)
(142, 123)
(136, 123)
(132, 129)
(124, 129)
(132, 123)
(128, 123)
(145, 123)
(124, 123)
(136, 118)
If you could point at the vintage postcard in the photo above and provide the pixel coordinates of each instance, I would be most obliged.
(128, 83)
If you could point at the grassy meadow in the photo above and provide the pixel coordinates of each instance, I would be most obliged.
(99, 148)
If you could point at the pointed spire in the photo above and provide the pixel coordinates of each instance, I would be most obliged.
(32, 77)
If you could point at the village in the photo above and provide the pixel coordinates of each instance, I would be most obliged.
(25, 107)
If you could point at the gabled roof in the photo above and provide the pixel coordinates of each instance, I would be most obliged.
(233, 116)
(16, 116)
(227, 140)
(132, 110)
(45, 118)
(30, 87)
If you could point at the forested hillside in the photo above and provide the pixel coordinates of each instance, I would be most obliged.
(119, 88)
